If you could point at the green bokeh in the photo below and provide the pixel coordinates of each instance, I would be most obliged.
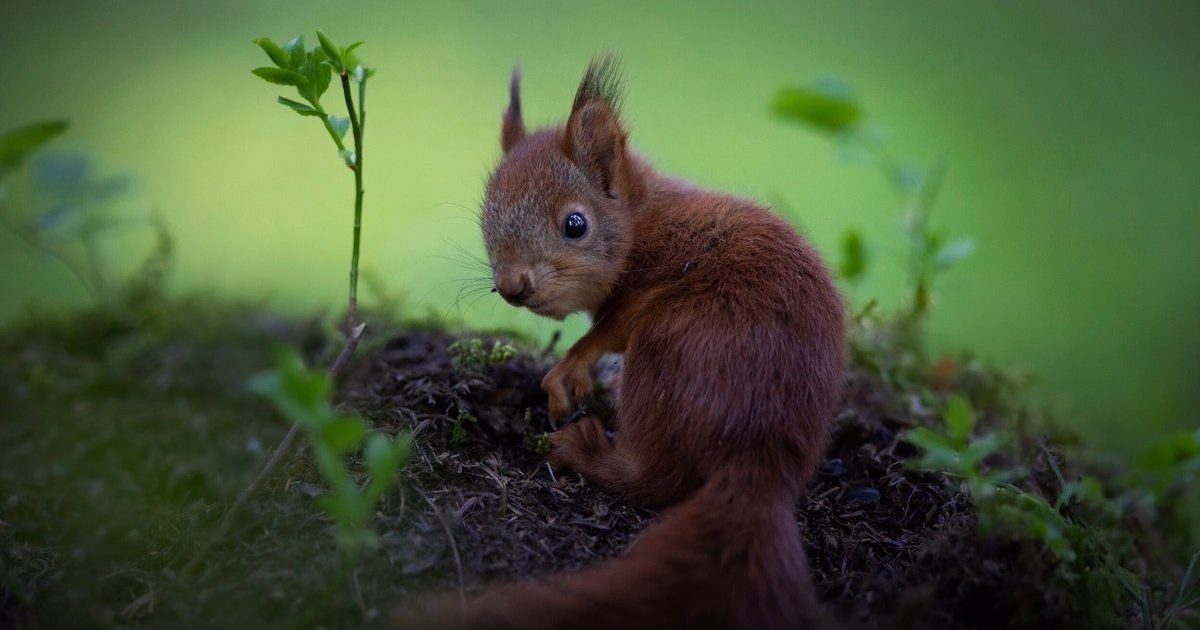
(1070, 131)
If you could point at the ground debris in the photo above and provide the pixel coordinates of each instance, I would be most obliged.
(879, 535)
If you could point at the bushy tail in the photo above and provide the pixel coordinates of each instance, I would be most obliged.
(728, 557)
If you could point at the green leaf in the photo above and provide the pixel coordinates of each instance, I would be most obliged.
(343, 434)
(348, 157)
(295, 49)
(939, 453)
(340, 124)
(299, 108)
(1170, 452)
(827, 105)
(853, 255)
(18, 144)
(349, 59)
(980, 448)
(302, 396)
(279, 76)
(954, 252)
(335, 55)
(318, 74)
(385, 456)
(335, 505)
(960, 420)
(278, 56)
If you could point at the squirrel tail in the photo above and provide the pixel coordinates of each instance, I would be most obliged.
(727, 557)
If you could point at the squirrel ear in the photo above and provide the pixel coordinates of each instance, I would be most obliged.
(513, 129)
(594, 137)
(595, 141)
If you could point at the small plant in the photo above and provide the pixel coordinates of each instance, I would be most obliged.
(829, 107)
(469, 355)
(1167, 475)
(542, 445)
(310, 71)
(1002, 506)
(458, 434)
(302, 396)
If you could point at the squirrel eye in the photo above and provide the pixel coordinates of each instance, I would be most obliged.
(575, 226)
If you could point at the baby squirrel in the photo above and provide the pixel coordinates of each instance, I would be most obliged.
(732, 334)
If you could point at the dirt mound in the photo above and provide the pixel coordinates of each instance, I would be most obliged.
(887, 545)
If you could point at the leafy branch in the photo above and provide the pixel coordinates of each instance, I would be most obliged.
(310, 71)
(829, 107)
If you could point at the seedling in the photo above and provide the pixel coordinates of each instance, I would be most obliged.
(458, 434)
(1005, 507)
(956, 453)
(469, 355)
(310, 71)
(302, 396)
(829, 107)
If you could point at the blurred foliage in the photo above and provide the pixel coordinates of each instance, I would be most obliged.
(18, 144)
(829, 106)
(302, 396)
(1092, 550)
(69, 213)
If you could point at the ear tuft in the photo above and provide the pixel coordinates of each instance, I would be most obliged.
(595, 138)
(512, 130)
(601, 82)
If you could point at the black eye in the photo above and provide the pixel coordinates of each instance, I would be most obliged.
(575, 226)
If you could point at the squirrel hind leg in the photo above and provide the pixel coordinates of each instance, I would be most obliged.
(588, 449)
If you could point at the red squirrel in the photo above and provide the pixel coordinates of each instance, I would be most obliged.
(733, 339)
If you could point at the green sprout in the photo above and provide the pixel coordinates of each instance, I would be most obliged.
(458, 434)
(302, 396)
(310, 71)
(542, 444)
(469, 354)
(955, 453)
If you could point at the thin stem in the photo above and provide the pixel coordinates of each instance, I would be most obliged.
(277, 457)
(34, 243)
(356, 127)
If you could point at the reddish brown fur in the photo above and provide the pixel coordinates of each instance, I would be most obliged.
(732, 333)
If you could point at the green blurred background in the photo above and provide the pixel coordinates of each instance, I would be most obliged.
(1070, 130)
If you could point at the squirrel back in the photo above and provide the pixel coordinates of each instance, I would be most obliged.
(732, 333)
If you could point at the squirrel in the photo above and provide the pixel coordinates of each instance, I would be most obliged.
(733, 339)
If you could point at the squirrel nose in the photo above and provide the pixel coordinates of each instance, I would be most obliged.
(514, 285)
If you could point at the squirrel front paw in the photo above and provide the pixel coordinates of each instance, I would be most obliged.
(567, 384)
(577, 444)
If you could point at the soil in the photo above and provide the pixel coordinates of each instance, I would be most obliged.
(888, 546)
(125, 438)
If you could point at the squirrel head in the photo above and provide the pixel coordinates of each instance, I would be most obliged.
(557, 209)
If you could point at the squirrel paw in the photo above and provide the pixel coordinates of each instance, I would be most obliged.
(577, 444)
(566, 384)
